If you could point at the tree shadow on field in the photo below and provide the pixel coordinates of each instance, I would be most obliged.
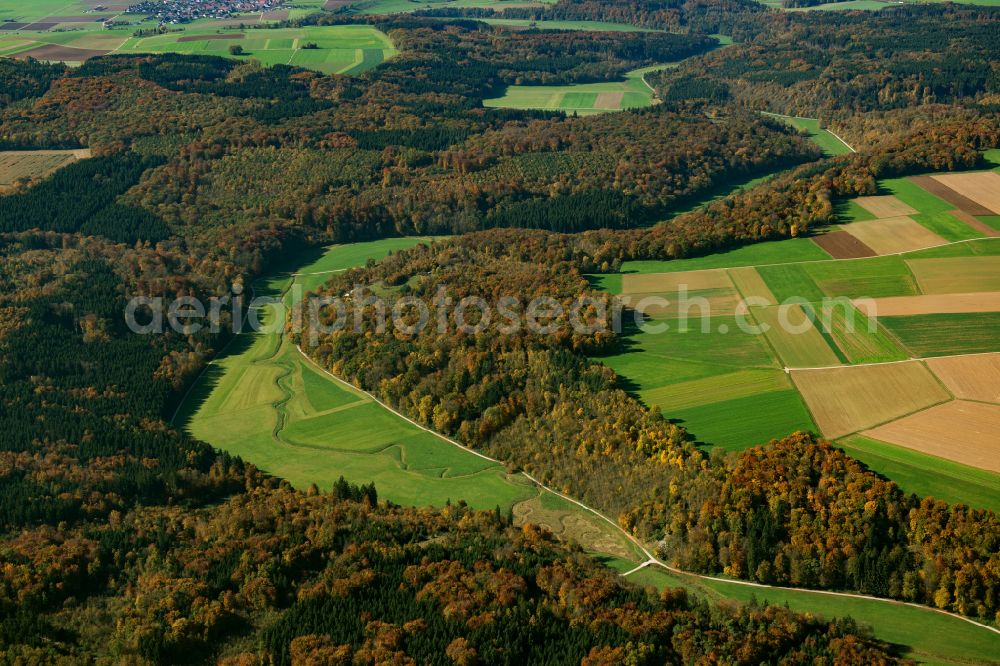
(209, 380)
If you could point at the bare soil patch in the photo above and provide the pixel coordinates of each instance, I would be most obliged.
(958, 430)
(58, 52)
(975, 377)
(942, 191)
(334, 5)
(894, 234)
(894, 306)
(609, 100)
(983, 187)
(885, 206)
(846, 400)
(12, 26)
(277, 15)
(41, 26)
(210, 38)
(842, 245)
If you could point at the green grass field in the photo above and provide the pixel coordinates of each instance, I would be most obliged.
(266, 402)
(788, 251)
(341, 49)
(830, 145)
(926, 475)
(595, 26)
(933, 211)
(944, 334)
(922, 634)
(405, 6)
(344, 49)
(584, 99)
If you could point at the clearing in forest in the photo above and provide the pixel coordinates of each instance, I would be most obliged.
(26, 165)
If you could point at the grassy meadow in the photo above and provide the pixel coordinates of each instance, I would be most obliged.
(922, 634)
(828, 143)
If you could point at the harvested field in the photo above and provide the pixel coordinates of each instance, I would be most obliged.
(59, 53)
(791, 332)
(609, 100)
(278, 15)
(942, 191)
(210, 38)
(964, 432)
(982, 187)
(19, 164)
(696, 304)
(958, 275)
(842, 245)
(893, 234)
(974, 377)
(988, 301)
(885, 206)
(751, 285)
(974, 222)
(847, 400)
(660, 283)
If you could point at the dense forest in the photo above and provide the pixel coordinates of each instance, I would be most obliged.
(122, 538)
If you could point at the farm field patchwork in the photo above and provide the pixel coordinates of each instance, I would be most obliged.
(847, 400)
(340, 49)
(982, 187)
(791, 331)
(406, 6)
(718, 384)
(892, 235)
(344, 49)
